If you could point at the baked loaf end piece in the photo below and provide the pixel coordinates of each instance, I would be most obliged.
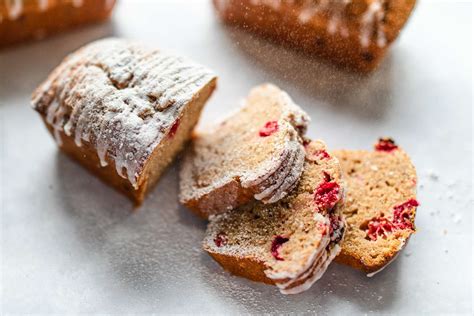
(256, 153)
(289, 243)
(25, 19)
(380, 205)
(123, 110)
(353, 34)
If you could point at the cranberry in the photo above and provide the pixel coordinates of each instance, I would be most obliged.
(174, 129)
(327, 176)
(268, 129)
(379, 227)
(327, 195)
(318, 154)
(220, 239)
(336, 229)
(402, 214)
(386, 144)
(322, 154)
(277, 242)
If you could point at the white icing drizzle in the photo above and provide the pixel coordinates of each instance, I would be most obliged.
(43, 5)
(14, 8)
(372, 18)
(77, 3)
(321, 267)
(120, 97)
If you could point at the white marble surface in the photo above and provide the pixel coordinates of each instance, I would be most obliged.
(71, 245)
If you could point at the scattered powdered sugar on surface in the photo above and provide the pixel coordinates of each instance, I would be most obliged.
(121, 97)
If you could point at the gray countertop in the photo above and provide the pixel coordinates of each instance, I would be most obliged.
(70, 244)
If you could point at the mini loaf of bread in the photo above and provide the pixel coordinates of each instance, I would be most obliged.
(289, 243)
(24, 19)
(349, 33)
(256, 153)
(123, 110)
(380, 205)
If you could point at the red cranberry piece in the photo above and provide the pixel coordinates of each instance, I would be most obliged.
(386, 144)
(327, 195)
(322, 154)
(336, 229)
(327, 176)
(277, 242)
(402, 214)
(268, 129)
(174, 129)
(379, 227)
(220, 239)
(317, 154)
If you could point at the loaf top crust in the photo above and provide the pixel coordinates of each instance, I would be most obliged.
(377, 22)
(259, 146)
(14, 9)
(380, 204)
(294, 239)
(121, 97)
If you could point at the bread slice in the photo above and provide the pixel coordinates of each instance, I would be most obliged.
(353, 34)
(289, 243)
(34, 19)
(256, 153)
(123, 110)
(380, 205)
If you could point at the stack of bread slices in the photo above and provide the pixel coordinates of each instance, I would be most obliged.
(281, 207)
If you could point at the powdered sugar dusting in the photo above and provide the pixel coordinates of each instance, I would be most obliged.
(121, 97)
(371, 21)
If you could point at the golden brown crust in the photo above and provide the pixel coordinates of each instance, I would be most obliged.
(283, 26)
(244, 267)
(34, 22)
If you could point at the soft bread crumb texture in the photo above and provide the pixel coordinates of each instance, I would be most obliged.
(376, 183)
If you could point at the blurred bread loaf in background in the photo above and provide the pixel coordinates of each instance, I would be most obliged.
(353, 34)
(22, 20)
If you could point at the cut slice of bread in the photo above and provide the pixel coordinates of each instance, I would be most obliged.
(256, 153)
(380, 205)
(123, 110)
(289, 243)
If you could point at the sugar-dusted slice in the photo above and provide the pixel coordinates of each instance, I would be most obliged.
(256, 153)
(289, 243)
